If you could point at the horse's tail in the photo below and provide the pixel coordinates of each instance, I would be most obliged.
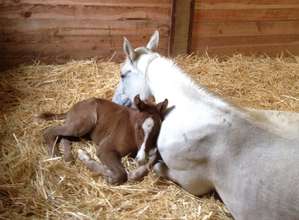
(49, 116)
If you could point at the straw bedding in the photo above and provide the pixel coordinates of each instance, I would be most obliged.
(34, 186)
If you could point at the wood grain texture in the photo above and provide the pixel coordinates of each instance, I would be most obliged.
(182, 15)
(110, 3)
(249, 26)
(251, 49)
(249, 4)
(220, 15)
(53, 30)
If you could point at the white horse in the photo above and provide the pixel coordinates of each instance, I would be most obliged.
(250, 158)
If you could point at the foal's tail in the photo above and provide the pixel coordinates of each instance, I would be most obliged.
(49, 116)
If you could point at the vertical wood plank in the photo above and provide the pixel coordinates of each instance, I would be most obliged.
(182, 12)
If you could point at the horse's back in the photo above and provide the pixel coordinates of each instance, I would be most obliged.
(263, 178)
(287, 122)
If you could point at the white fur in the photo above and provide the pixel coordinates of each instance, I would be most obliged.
(154, 41)
(147, 126)
(250, 158)
(207, 143)
(82, 155)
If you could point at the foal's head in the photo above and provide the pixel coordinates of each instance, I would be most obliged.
(150, 127)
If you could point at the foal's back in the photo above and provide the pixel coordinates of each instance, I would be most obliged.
(116, 124)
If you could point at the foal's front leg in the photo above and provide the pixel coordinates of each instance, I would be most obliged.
(143, 170)
(95, 167)
(109, 157)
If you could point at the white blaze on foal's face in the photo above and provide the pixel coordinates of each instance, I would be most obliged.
(147, 127)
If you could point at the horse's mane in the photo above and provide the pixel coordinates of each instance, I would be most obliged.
(180, 80)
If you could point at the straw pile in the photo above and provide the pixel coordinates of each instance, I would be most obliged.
(34, 186)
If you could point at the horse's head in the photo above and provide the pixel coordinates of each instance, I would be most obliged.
(133, 71)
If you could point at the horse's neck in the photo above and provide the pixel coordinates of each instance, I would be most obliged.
(167, 80)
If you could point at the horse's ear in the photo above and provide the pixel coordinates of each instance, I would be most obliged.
(162, 107)
(154, 41)
(140, 105)
(128, 50)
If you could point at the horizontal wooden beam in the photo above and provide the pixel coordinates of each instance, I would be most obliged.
(246, 28)
(223, 15)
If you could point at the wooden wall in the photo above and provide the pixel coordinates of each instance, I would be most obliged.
(248, 26)
(59, 30)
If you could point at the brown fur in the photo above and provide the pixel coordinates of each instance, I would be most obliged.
(116, 130)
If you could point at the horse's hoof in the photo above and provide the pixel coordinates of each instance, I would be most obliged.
(160, 169)
(83, 155)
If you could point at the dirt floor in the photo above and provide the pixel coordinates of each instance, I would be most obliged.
(34, 186)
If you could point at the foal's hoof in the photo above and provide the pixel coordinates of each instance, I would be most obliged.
(134, 176)
(83, 155)
(117, 180)
(69, 159)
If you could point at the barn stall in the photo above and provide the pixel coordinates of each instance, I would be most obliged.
(70, 50)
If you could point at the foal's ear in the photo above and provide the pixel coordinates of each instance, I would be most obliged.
(140, 105)
(162, 107)
(154, 41)
(128, 50)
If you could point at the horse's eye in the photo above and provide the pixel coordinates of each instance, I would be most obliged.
(123, 75)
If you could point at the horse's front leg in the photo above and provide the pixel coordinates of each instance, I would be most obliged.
(190, 180)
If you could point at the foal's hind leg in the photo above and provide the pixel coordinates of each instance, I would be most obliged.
(74, 129)
(67, 150)
(51, 138)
